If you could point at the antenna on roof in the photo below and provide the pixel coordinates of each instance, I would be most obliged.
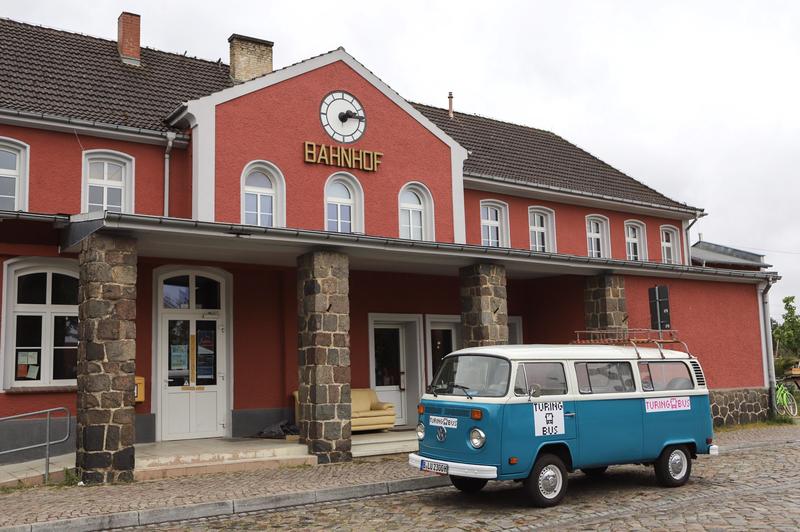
(450, 104)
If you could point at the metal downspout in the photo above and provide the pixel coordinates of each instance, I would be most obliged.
(170, 139)
(686, 240)
(768, 340)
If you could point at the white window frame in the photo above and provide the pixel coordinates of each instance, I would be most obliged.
(676, 244)
(641, 241)
(12, 269)
(278, 192)
(427, 208)
(128, 180)
(356, 201)
(21, 175)
(549, 229)
(604, 236)
(501, 224)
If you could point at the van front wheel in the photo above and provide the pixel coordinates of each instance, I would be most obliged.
(674, 466)
(547, 483)
(467, 484)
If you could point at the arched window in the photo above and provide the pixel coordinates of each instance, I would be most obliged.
(670, 245)
(13, 175)
(108, 178)
(597, 240)
(494, 224)
(416, 212)
(191, 291)
(41, 332)
(344, 204)
(635, 240)
(542, 226)
(263, 195)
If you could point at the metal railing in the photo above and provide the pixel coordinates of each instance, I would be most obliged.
(47, 413)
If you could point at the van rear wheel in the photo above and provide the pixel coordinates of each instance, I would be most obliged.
(594, 472)
(467, 484)
(547, 483)
(674, 466)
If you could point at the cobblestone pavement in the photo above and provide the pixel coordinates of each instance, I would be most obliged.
(767, 473)
(747, 487)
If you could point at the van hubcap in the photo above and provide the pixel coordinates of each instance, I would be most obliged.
(550, 481)
(677, 464)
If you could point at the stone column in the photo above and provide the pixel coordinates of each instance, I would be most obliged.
(323, 354)
(484, 308)
(106, 359)
(604, 303)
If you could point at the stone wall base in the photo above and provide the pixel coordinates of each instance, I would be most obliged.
(741, 405)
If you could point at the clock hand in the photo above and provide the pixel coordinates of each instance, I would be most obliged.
(344, 116)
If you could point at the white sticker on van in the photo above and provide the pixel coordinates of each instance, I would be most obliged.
(548, 418)
(667, 404)
(446, 422)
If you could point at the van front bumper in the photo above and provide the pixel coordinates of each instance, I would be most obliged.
(457, 469)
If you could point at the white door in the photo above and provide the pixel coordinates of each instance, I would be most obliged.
(192, 364)
(390, 367)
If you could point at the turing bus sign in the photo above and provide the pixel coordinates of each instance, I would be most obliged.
(365, 160)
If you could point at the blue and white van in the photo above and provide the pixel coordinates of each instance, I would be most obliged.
(533, 413)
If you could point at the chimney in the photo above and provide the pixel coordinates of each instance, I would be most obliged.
(250, 57)
(130, 51)
(450, 104)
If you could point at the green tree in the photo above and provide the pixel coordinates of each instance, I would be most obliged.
(786, 336)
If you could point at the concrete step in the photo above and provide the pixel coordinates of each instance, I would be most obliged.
(378, 443)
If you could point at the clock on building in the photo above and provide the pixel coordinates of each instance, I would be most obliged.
(342, 116)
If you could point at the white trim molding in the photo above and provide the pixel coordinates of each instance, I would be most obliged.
(22, 177)
(675, 244)
(640, 240)
(604, 235)
(275, 176)
(427, 208)
(128, 163)
(502, 223)
(353, 185)
(549, 229)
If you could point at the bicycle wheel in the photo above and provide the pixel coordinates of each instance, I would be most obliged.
(780, 404)
(791, 405)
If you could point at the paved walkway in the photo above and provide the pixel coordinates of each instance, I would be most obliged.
(157, 500)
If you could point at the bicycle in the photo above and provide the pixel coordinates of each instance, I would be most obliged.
(784, 401)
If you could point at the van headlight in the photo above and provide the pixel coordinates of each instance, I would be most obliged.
(420, 431)
(476, 438)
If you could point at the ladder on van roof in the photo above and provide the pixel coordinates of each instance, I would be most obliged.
(633, 337)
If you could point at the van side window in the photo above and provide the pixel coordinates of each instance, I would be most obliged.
(604, 377)
(548, 375)
(663, 376)
(520, 386)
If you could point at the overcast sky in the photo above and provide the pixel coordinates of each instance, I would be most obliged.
(697, 99)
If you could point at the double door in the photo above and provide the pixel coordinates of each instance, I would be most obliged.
(193, 376)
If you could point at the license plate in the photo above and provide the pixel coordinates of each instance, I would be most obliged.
(446, 422)
(434, 467)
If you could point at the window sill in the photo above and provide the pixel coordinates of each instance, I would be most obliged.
(41, 389)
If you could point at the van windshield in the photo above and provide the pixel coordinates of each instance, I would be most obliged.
(472, 376)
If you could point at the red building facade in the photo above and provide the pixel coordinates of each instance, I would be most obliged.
(170, 224)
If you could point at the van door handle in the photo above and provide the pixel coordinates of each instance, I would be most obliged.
(569, 414)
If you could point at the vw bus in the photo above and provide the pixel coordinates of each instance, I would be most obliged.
(534, 413)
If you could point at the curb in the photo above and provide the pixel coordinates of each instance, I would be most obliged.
(230, 507)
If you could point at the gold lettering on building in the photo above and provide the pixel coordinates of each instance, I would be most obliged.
(341, 156)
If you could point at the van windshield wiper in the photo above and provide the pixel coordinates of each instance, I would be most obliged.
(463, 388)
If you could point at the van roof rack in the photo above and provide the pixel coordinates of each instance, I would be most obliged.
(633, 337)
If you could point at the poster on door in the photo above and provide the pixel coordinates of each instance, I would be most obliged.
(548, 418)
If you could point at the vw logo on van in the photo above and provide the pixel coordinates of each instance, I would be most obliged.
(441, 434)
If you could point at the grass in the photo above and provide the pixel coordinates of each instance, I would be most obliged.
(771, 422)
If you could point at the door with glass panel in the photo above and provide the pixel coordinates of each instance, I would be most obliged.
(390, 367)
(192, 360)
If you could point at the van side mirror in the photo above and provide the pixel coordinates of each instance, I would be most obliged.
(535, 390)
